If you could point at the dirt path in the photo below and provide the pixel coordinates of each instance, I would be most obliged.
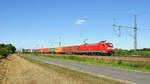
(21, 71)
(3, 68)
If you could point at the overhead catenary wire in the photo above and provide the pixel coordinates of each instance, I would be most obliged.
(135, 32)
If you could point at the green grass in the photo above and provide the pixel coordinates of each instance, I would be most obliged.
(120, 52)
(76, 75)
(103, 62)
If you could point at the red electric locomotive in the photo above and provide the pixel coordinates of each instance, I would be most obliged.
(102, 48)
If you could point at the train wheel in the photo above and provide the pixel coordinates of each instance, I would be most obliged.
(109, 54)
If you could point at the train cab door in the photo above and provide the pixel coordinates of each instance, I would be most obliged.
(103, 47)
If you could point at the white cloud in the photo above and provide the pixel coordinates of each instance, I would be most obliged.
(79, 21)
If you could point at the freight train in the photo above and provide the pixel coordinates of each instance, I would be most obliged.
(101, 48)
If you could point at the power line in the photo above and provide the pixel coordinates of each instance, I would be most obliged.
(60, 42)
(129, 27)
(146, 29)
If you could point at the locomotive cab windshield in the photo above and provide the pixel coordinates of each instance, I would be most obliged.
(109, 44)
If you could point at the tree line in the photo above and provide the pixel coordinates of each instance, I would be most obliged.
(6, 49)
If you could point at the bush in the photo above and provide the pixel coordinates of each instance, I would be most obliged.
(5, 50)
(119, 62)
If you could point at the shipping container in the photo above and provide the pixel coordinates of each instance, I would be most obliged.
(59, 50)
(28, 50)
(71, 49)
(52, 50)
(33, 51)
(42, 50)
(39, 50)
(46, 50)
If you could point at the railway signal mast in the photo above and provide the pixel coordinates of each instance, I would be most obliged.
(135, 32)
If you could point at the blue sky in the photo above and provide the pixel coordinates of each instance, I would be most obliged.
(40, 23)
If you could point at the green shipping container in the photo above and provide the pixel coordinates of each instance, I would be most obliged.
(52, 49)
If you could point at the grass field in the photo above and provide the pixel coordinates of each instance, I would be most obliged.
(76, 75)
(121, 52)
(132, 63)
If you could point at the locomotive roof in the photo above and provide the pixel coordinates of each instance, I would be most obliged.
(92, 44)
(95, 43)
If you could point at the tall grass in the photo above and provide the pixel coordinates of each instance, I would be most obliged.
(127, 63)
(121, 52)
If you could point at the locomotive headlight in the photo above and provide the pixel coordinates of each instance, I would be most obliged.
(108, 48)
